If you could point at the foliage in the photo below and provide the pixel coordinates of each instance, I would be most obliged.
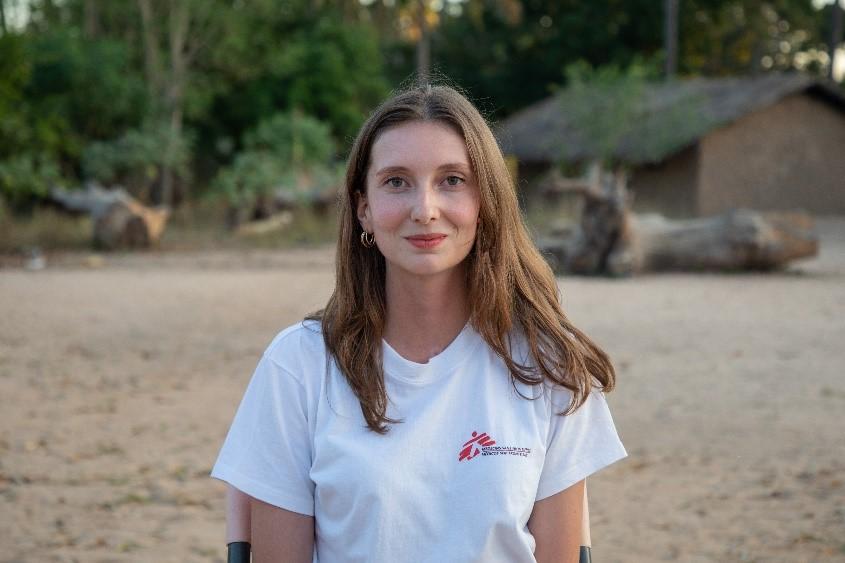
(334, 73)
(721, 37)
(515, 57)
(604, 102)
(15, 71)
(283, 61)
(609, 106)
(136, 158)
(289, 152)
(26, 176)
(57, 93)
(513, 52)
(87, 83)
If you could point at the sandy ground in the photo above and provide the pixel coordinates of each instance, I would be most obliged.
(118, 383)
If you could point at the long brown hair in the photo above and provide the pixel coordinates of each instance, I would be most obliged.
(511, 287)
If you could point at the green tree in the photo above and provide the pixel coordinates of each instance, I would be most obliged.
(720, 37)
(287, 152)
(57, 93)
(285, 59)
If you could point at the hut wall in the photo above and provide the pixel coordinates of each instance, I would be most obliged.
(668, 188)
(790, 155)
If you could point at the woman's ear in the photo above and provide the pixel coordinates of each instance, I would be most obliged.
(363, 211)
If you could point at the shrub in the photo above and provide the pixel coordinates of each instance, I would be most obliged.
(288, 153)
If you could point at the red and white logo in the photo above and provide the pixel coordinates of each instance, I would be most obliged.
(482, 443)
(470, 449)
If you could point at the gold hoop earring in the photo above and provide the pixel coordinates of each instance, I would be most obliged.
(368, 239)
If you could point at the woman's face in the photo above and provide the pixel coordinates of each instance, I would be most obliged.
(422, 201)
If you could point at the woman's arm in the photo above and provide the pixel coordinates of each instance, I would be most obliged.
(555, 524)
(280, 536)
(237, 515)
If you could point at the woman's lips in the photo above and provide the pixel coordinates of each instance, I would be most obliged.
(426, 241)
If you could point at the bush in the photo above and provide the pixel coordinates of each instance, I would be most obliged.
(290, 153)
(25, 178)
(135, 158)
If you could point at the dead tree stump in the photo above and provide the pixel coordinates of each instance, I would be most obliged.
(120, 221)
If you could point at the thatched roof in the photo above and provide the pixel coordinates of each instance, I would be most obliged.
(674, 115)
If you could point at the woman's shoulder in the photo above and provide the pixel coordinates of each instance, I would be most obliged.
(301, 341)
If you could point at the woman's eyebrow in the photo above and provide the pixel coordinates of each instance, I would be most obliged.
(402, 169)
(454, 166)
(392, 170)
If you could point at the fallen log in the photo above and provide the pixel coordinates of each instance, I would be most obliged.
(271, 224)
(120, 221)
(611, 240)
(740, 239)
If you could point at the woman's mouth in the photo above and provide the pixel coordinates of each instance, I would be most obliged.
(426, 241)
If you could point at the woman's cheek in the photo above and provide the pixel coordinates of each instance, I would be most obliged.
(388, 214)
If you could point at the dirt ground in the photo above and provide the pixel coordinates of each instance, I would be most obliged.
(119, 378)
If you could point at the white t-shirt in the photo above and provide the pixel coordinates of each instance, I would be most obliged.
(455, 481)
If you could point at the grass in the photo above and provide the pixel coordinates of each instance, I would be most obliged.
(202, 226)
(46, 229)
(195, 226)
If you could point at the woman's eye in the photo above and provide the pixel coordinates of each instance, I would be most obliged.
(454, 180)
(395, 182)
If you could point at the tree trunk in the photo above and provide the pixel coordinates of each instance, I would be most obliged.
(167, 89)
(423, 45)
(3, 16)
(835, 34)
(740, 239)
(179, 21)
(670, 33)
(152, 63)
(91, 20)
(611, 240)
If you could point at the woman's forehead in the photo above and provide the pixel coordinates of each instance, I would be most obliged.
(418, 144)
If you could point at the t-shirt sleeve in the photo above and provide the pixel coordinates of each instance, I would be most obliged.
(578, 444)
(267, 452)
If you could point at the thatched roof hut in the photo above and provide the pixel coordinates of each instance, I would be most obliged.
(700, 146)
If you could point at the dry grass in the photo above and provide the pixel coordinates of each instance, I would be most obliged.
(198, 226)
(46, 229)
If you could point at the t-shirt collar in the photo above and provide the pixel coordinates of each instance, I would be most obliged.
(445, 362)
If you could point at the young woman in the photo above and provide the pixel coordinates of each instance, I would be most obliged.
(441, 407)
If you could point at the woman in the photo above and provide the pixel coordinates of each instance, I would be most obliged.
(441, 407)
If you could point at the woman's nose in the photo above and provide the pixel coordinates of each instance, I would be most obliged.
(425, 207)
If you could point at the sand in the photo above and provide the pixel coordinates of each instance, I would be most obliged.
(119, 378)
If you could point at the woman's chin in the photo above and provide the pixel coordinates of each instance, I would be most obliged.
(424, 266)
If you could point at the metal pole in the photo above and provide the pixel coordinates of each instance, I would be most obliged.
(670, 18)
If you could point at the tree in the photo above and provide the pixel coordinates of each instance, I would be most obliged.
(191, 25)
(837, 13)
(58, 92)
(283, 60)
(287, 156)
(723, 37)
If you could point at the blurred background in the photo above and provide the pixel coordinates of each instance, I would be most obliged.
(232, 111)
(168, 173)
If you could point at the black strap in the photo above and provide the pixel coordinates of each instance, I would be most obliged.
(585, 555)
(239, 552)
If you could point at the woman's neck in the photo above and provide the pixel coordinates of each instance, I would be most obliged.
(424, 315)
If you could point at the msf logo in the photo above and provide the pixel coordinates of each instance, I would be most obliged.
(472, 447)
